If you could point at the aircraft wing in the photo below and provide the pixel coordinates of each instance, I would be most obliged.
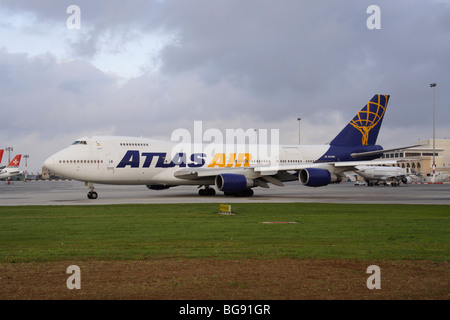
(353, 164)
(274, 174)
(371, 153)
(200, 173)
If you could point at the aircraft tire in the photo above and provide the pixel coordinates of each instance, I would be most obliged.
(92, 195)
(207, 192)
(243, 193)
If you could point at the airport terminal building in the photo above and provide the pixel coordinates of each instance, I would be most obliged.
(420, 159)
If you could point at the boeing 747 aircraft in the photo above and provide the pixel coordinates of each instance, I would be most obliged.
(141, 161)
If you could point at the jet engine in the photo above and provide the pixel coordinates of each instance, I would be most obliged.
(229, 182)
(315, 177)
(407, 180)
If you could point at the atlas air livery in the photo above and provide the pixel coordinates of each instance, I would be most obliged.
(154, 163)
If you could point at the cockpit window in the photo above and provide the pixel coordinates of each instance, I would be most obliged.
(79, 142)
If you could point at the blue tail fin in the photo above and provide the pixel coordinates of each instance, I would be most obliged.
(364, 128)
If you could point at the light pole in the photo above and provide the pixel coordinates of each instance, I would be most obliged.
(298, 119)
(9, 149)
(26, 156)
(433, 85)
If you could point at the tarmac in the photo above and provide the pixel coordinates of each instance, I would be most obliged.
(75, 193)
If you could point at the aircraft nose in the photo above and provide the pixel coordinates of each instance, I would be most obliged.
(49, 163)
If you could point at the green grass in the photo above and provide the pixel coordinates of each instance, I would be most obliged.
(337, 231)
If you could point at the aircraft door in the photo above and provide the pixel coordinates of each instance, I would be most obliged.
(110, 165)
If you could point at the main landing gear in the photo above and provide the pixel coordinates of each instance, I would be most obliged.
(92, 194)
(207, 191)
(243, 193)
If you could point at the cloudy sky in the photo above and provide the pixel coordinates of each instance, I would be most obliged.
(147, 68)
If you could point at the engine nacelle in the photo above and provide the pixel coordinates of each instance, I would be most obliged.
(229, 182)
(407, 180)
(315, 177)
(158, 186)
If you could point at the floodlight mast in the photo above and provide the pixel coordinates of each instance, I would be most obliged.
(433, 85)
(9, 149)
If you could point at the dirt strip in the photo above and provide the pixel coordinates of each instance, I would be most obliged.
(197, 279)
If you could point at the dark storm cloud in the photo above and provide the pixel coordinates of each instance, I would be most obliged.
(311, 53)
(288, 46)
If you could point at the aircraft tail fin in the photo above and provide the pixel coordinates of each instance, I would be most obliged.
(1, 155)
(15, 162)
(364, 127)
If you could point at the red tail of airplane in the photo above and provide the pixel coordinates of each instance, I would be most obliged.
(1, 155)
(15, 162)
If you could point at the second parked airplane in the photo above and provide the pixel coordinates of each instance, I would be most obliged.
(375, 175)
(12, 169)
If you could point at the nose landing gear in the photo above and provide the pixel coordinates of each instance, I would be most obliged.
(91, 194)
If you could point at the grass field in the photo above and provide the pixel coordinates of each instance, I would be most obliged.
(183, 231)
(189, 251)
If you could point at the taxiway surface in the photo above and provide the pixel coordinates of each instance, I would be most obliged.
(74, 193)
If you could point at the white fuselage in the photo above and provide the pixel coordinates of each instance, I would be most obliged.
(381, 173)
(127, 160)
(9, 172)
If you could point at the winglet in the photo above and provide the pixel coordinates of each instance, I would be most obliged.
(364, 127)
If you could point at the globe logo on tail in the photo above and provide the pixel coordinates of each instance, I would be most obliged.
(369, 117)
